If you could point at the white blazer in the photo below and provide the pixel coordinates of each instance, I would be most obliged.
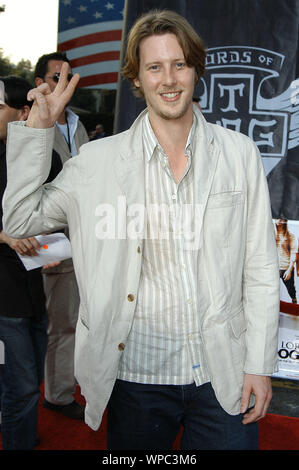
(239, 295)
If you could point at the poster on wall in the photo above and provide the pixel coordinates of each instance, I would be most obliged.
(287, 241)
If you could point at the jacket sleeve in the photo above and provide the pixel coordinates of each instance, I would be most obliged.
(31, 208)
(261, 289)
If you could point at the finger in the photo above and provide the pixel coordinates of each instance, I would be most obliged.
(64, 88)
(21, 248)
(35, 246)
(42, 104)
(70, 89)
(253, 415)
(63, 79)
(27, 243)
(34, 243)
(250, 417)
(28, 247)
(259, 410)
(43, 89)
(267, 403)
(245, 399)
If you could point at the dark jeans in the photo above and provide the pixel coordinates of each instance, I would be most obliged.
(25, 343)
(148, 417)
(290, 283)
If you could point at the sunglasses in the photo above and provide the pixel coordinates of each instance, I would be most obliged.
(56, 76)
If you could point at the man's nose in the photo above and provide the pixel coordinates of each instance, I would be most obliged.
(169, 77)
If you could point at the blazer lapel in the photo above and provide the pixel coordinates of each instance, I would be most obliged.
(60, 146)
(129, 169)
(205, 163)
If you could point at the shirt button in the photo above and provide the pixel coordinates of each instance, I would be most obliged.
(189, 301)
(121, 346)
(130, 297)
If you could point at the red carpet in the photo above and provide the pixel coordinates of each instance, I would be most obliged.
(59, 433)
(291, 309)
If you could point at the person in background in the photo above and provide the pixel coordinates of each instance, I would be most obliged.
(91, 134)
(175, 329)
(287, 248)
(60, 282)
(99, 131)
(23, 316)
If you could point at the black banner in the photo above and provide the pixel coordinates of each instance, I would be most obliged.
(251, 83)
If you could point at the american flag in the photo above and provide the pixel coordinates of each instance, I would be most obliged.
(90, 31)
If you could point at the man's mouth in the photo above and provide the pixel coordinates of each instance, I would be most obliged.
(171, 95)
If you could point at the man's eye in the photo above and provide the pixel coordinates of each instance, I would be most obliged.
(154, 67)
(180, 64)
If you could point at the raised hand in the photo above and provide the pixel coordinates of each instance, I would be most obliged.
(48, 105)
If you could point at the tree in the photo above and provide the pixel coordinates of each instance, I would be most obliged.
(6, 68)
(22, 69)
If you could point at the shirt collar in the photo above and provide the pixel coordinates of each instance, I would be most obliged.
(72, 118)
(151, 141)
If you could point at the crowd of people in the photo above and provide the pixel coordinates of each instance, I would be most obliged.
(165, 331)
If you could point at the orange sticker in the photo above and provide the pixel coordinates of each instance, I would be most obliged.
(45, 247)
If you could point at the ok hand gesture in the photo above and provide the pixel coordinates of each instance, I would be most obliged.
(48, 105)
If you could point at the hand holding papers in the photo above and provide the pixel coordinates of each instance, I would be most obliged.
(54, 247)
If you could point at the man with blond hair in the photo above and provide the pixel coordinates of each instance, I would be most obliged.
(174, 252)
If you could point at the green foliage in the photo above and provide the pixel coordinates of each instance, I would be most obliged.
(23, 68)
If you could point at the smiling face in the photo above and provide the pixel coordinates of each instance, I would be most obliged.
(165, 79)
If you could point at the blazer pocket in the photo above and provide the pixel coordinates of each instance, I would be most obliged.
(225, 199)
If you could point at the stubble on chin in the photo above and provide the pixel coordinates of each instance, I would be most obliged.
(171, 113)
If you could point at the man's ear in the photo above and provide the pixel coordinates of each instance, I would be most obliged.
(38, 81)
(136, 82)
(23, 113)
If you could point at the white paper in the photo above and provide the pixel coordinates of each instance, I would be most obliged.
(54, 247)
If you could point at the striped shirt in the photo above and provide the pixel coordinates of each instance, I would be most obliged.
(164, 345)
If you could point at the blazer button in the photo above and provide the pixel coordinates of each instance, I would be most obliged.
(139, 250)
(130, 297)
(121, 346)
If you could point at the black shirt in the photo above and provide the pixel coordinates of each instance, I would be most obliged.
(21, 291)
